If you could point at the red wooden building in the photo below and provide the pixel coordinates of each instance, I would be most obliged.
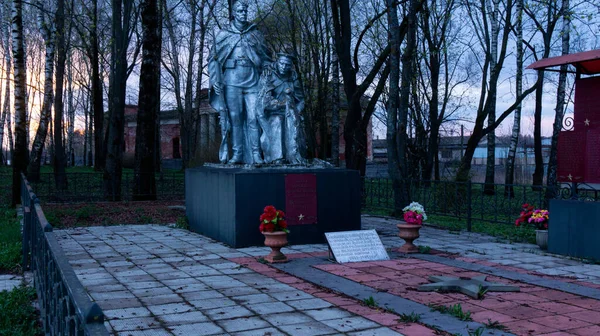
(578, 157)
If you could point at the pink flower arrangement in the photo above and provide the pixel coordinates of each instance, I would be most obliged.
(539, 218)
(414, 214)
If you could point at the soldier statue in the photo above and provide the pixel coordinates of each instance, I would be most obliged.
(235, 64)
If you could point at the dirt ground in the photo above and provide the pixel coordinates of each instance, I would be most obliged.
(114, 213)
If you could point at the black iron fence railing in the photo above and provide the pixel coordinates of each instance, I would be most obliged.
(91, 187)
(65, 306)
(468, 201)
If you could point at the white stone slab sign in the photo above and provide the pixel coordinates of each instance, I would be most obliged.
(355, 246)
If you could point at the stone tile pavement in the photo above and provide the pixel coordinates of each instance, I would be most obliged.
(480, 247)
(10, 281)
(156, 280)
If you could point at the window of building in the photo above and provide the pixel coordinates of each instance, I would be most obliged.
(446, 154)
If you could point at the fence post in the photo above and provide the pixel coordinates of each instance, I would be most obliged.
(469, 199)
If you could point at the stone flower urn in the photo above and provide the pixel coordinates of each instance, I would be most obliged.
(541, 238)
(408, 232)
(275, 240)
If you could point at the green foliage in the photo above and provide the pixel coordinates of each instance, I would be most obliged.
(85, 212)
(424, 249)
(10, 241)
(494, 325)
(508, 232)
(143, 219)
(410, 318)
(455, 310)
(477, 332)
(370, 302)
(481, 292)
(182, 223)
(17, 315)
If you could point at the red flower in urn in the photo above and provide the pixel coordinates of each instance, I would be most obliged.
(273, 220)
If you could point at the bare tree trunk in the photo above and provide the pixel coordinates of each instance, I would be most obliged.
(538, 174)
(19, 160)
(392, 110)
(355, 126)
(6, 110)
(5, 117)
(488, 94)
(560, 100)
(70, 113)
(7, 74)
(335, 108)
(509, 178)
(86, 131)
(490, 169)
(37, 148)
(149, 102)
(97, 102)
(60, 161)
(121, 16)
(408, 62)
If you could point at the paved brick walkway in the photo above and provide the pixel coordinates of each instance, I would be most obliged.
(10, 281)
(155, 280)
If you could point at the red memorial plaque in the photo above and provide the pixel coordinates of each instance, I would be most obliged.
(570, 156)
(592, 162)
(301, 199)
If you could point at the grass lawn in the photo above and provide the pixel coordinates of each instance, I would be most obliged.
(10, 242)
(511, 233)
(17, 315)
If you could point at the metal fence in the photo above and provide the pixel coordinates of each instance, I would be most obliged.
(467, 200)
(90, 187)
(65, 306)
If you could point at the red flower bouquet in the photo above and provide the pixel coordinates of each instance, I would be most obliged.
(273, 220)
(526, 212)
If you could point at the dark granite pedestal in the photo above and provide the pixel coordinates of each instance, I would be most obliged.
(573, 228)
(225, 203)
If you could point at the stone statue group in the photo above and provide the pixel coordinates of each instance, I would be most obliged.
(259, 100)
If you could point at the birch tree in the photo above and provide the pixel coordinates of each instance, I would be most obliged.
(5, 39)
(477, 13)
(19, 160)
(516, 129)
(560, 99)
(545, 16)
(493, 10)
(6, 110)
(37, 148)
